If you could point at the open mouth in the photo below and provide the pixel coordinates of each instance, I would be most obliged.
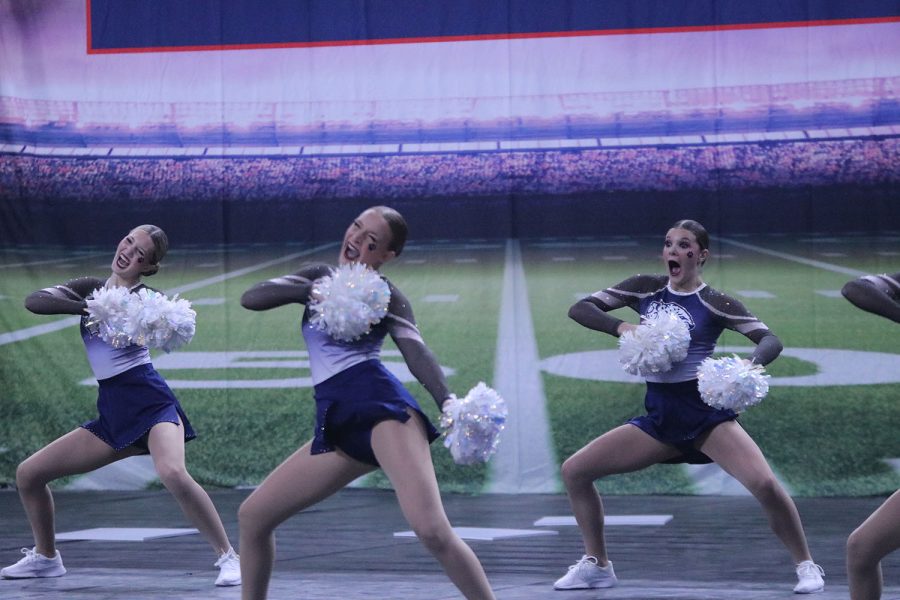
(350, 252)
(122, 262)
(674, 268)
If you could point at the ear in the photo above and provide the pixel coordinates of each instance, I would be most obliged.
(150, 270)
(389, 256)
(704, 254)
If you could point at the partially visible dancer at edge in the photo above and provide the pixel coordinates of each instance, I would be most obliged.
(678, 426)
(138, 414)
(879, 534)
(365, 419)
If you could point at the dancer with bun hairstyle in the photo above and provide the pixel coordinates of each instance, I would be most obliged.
(138, 414)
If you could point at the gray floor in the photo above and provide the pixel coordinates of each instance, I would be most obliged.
(715, 547)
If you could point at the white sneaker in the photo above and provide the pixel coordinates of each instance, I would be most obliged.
(587, 574)
(35, 565)
(229, 569)
(809, 576)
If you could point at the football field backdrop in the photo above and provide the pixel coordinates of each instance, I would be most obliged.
(539, 151)
(828, 425)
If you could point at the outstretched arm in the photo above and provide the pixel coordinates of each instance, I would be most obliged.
(419, 358)
(65, 299)
(287, 289)
(877, 294)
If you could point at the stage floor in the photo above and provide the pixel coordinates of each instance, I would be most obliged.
(345, 548)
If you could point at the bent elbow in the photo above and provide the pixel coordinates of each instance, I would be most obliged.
(32, 304)
(249, 302)
(576, 311)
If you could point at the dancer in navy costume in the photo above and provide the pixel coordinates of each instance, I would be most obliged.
(365, 419)
(138, 414)
(879, 535)
(678, 426)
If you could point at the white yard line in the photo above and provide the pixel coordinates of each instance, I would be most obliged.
(36, 330)
(524, 462)
(50, 261)
(797, 259)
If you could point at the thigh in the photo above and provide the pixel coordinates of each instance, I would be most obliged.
(624, 449)
(166, 445)
(404, 454)
(302, 480)
(78, 451)
(732, 448)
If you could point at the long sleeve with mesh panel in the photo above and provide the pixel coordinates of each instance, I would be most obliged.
(64, 299)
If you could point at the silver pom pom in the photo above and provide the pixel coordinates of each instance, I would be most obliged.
(347, 303)
(146, 318)
(473, 424)
(732, 382)
(655, 345)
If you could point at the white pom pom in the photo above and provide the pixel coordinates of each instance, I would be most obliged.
(473, 424)
(655, 345)
(731, 382)
(107, 315)
(349, 302)
(163, 323)
(147, 318)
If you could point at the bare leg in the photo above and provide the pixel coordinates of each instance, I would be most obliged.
(78, 451)
(878, 536)
(734, 450)
(166, 444)
(621, 450)
(403, 453)
(297, 483)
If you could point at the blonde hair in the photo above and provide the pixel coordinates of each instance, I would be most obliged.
(160, 247)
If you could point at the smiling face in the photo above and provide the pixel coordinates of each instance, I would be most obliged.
(683, 257)
(367, 241)
(133, 256)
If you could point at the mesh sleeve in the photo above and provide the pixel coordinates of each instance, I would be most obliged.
(287, 289)
(64, 299)
(418, 356)
(591, 312)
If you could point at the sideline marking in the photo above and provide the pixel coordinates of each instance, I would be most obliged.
(608, 520)
(51, 261)
(36, 330)
(487, 534)
(794, 258)
(124, 534)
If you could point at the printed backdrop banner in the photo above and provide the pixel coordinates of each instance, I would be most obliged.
(538, 150)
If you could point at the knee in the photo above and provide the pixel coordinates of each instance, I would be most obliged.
(573, 475)
(175, 478)
(765, 488)
(435, 536)
(29, 476)
(859, 551)
(252, 518)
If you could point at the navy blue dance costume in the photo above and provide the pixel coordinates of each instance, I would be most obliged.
(133, 397)
(353, 389)
(676, 415)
